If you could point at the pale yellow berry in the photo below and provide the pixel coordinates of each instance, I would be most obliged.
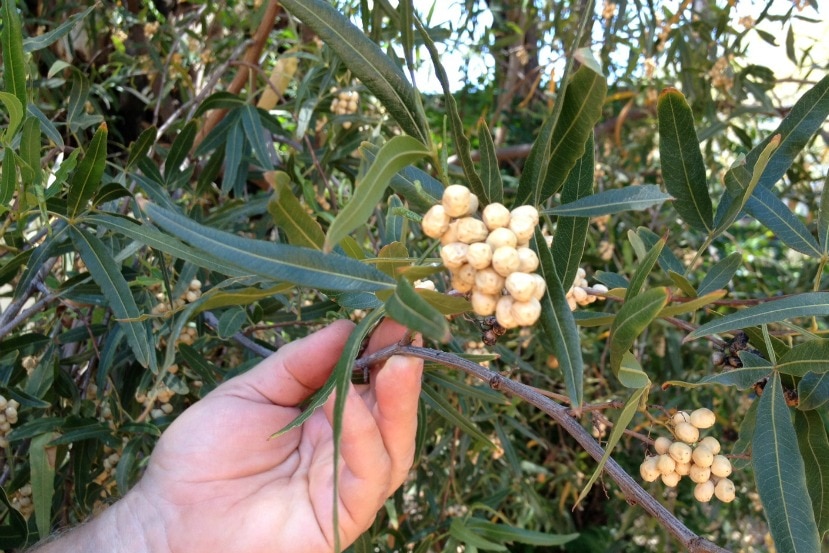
(699, 474)
(704, 491)
(662, 444)
(681, 416)
(503, 312)
(488, 281)
(454, 255)
(495, 216)
(435, 222)
(702, 456)
(523, 227)
(579, 295)
(191, 296)
(680, 452)
(3, 403)
(725, 491)
(571, 303)
(666, 464)
(720, 466)
(526, 211)
(473, 204)
(505, 260)
(686, 432)
(526, 313)
(425, 284)
(466, 273)
(195, 284)
(600, 288)
(521, 286)
(460, 285)
(683, 469)
(451, 234)
(501, 237)
(479, 255)
(711, 443)
(671, 480)
(528, 260)
(648, 470)
(483, 304)
(456, 200)
(352, 106)
(167, 408)
(471, 230)
(540, 286)
(703, 418)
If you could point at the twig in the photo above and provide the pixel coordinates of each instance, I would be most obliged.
(634, 493)
(239, 338)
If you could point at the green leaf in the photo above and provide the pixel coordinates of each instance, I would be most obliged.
(43, 482)
(754, 370)
(631, 374)
(571, 232)
(811, 304)
(811, 356)
(535, 166)
(48, 127)
(8, 177)
(231, 322)
(106, 272)
(683, 168)
(397, 153)
(631, 198)
(255, 134)
(634, 316)
(219, 100)
(235, 148)
(443, 407)
(814, 448)
(447, 305)
(408, 308)
(490, 170)
(40, 254)
(366, 61)
(420, 189)
(392, 259)
(720, 274)
(745, 437)
(619, 426)
(559, 324)
(510, 534)
(772, 213)
(644, 268)
(35, 43)
(179, 150)
(30, 151)
(459, 531)
(823, 217)
(692, 305)
(302, 266)
(87, 177)
(289, 215)
(813, 391)
(141, 146)
(14, 64)
(15, 109)
(780, 475)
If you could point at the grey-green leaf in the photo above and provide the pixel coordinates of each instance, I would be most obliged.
(644, 268)
(14, 64)
(823, 217)
(633, 317)
(86, 179)
(720, 274)
(811, 356)
(608, 202)
(814, 448)
(490, 171)
(43, 482)
(289, 215)
(772, 213)
(813, 391)
(408, 308)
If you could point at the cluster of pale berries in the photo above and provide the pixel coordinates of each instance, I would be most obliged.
(110, 464)
(163, 395)
(21, 500)
(192, 294)
(8, 417)
(577, 295)
(345, 103)
(489, 257)
(697, 458)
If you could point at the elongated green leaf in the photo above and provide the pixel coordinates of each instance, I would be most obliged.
(41, 253)
(754, 370)
(811, 304)
(510, 534)
(780, 475)
(823, 217)
(445, 409)
(559, 325)
(683, 169)
(490, 171)
(813, 391)
(15, 109)
(588, 318)
(255, 134)
(814, 448)
(30, 150)
(366, 61)
(420, 189)
(231, 322)
(745, 438)
(219, 100)
(393, 258)
(619, 426)
(289, 215)
(235, 148)
(301, 266)
(447, 305)
(811, 356)
(178, 151)
(87, 177)
(43, 482)
(772, 213)
(644, 268)
(583, 102)
(571, 232)
(535, 167)
(470, 539)
(8, 178)
(397, 153)
(107, 274)
(634, 316)
(48, 127)
(14, 64)
(632, 198)
(408, 308)
(631, 374)
(720, 274)
(692, 305)
(141, 146)
(39, 42)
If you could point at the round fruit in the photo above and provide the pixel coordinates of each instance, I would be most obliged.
(527, 211)
(720, 466)
(671, 480)
(523, 227)
(435, 222)
(488, 281)
(711, 443)
(471, 230)
(528, 260)
(540, 287)
(703, 418)
(495, 216)
(699, 474)
(454, 255)
(648, 470)
(501, 237)
(680, 452)
(451, 234)
(683, 469)
(483, 304)
(526, 312)
(703, 456)
(681, 416)
(456, 200)
(503, 312)
(473, 204)
(479, 255)
(725, 491)
(686, 432)
(462, 286)
(662, 444)
(521, 286)
(666, 464)
(505, 260)
(466, 274)
(704, 491)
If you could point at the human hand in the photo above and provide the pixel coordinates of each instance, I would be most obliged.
(217, 483)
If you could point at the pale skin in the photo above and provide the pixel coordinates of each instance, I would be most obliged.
(215, 481)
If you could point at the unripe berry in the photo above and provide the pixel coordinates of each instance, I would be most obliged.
(662, 444)
(648, 470)
(526, 211)
(671, 480)
(540, 286)
(501, 237)
(479, 255)
(488, 281)
(699, 474)
(666, 464)
(725, 491)
(680, 452)
(451, 234)
(471, 230)
(526, 313)
(454, 255)
(495, 216)
(435, 222)
(711, 443)
(528, 260)
(523, 227)
(703, 418)
(483, 304)
(521, 286)
(702, 456)
(704, 491)
(683, 469)
(505, 260)
(686, 432)
(503, 312)
(456, 200)
(720, 466)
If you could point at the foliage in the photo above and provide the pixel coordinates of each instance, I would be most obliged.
(163, 229)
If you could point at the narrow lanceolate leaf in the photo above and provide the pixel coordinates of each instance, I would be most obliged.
(420, 189)
(823, 217)
(141, 146)
(571, 232)
(16, 112)
(560, 325)
(86, 179)
(178, 151)
(490, 171)
(8, 178)
(106, 272)
(683, 168)
(366, 61)
(448, 305)
(39, 42)
(302, 266)
(813, 391)
(397, 153)
(290, 216)
(408, 308)
(811, 356)
(743, 378)
(631, 198)
(720, 274)
(510, 534)
(471, 540)
(445, 409)
(619, 427)
(692, 305)
(535, 167)
(780, 475)
(811, 304)
(773, 214)
(631, 374)
(42, 469)
(14, 65)
(646, 265)
(255, 134)
(634, 316)
(583, 102)
(814, 448)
